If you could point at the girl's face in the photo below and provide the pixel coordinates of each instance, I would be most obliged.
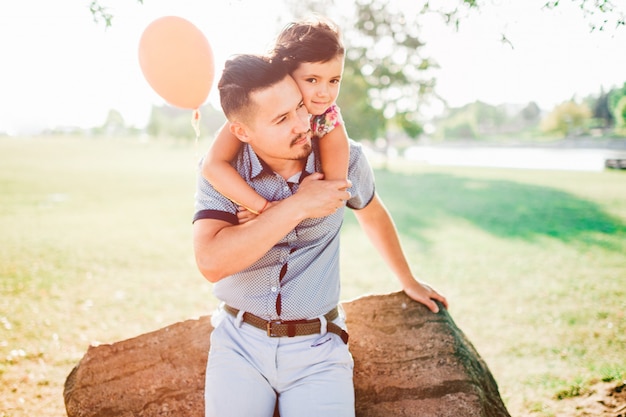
(319, 83)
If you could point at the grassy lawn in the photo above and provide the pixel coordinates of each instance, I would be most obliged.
(95, 247)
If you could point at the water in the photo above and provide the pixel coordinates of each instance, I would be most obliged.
(515, 157)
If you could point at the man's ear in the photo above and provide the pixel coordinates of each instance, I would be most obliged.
(240, 131)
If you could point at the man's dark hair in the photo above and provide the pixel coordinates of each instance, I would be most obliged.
(243, 75)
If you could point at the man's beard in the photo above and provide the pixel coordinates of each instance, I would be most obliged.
(306, 150)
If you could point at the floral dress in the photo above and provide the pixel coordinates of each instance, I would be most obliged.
(327, 121)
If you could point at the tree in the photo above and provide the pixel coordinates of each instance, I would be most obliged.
(620, 116)
(614, 98)
(101, 13)
(385, 50)
(386, 75)
(114, 124)
(599, 13)
(566, 119)
(472, 121)
(531, 112)
(601, 110)
(362, 120)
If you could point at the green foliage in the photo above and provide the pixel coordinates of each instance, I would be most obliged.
(385, 48)
(531, 112)
(615, 95)
(101, 13)
(566, 119)
(472, 121)
(616, 102)
(361, 119)
(451, 12)
(599, 13)
(620, 116)
(601, 110)
(384, 53)
(409, 125)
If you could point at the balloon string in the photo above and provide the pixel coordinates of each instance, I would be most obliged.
(195, 122)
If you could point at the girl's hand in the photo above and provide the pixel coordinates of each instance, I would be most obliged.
(244, 215)
(425, 294)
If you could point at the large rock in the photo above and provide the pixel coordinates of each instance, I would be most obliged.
(408, 362)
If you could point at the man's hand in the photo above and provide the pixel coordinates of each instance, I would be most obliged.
(317, 198)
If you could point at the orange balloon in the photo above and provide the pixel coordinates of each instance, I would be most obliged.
(177, 61)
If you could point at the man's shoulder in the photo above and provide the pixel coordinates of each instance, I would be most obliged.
(356, 151)
(354, 144)
(247, 163)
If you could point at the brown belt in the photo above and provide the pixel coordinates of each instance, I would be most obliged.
(278, 328)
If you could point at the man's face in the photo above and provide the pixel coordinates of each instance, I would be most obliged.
(279, 128)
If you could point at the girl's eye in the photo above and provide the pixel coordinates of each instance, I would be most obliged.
(335, 81)
(312, 80)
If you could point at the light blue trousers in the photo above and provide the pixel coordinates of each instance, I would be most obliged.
(247, 371)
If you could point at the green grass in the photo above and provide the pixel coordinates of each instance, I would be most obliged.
(95, 247)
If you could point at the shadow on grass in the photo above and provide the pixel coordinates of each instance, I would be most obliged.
(503, 208)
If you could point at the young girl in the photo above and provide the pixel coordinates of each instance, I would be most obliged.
(314, 53)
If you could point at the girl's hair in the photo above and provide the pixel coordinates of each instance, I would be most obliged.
(312, 40)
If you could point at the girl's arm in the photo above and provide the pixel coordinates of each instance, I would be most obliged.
(335, 154)
(382, 232)
(217, 169)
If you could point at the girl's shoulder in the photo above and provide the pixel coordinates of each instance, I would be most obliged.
(327, 121)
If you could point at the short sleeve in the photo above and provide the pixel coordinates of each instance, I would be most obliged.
(323, 124)
(362, 177)
(210, 204)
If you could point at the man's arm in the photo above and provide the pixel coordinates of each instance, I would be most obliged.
(380, 229)
(222, 248)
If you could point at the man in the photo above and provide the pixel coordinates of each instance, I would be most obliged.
(279, 332)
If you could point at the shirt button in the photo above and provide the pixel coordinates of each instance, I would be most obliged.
(274, 289)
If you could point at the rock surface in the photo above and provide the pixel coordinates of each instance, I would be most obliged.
(408, 362)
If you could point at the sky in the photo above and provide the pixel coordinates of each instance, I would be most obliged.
(60, 69)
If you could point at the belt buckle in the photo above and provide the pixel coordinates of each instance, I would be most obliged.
(270, 328)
